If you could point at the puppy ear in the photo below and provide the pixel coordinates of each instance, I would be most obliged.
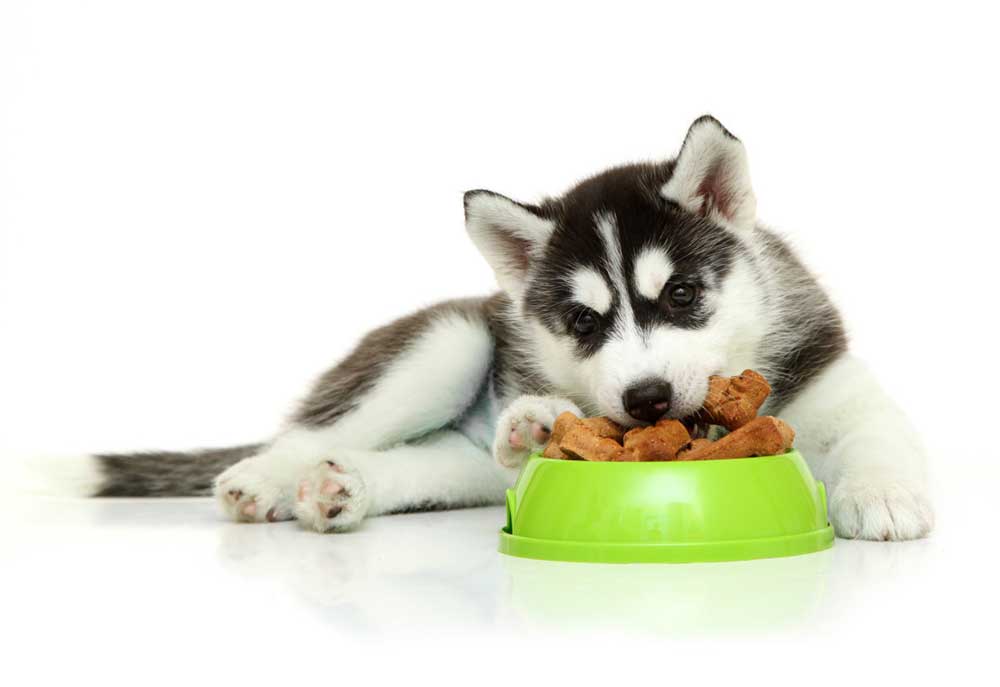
(711, 176)
(508, 234)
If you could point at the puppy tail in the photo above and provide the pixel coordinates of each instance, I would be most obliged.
(154, 473)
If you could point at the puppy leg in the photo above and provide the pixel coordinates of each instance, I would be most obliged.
(403, 381)
(443, 470)
(866, 452)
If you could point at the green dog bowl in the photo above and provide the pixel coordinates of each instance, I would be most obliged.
(666, 512)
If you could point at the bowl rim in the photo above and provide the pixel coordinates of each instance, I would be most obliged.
(571, 461)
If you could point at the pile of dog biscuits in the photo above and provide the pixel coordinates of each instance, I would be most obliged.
(732, 402)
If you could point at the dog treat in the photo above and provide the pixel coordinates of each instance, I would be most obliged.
(734, 401)
(559, 429)
(763, 436)
(605, 427)
(562, 425)
(659, 442)
(553, 451)
(584, 445)
(582, 442)
(696, 447)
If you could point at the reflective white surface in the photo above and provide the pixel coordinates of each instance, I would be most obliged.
(135, 584)
(413, 573)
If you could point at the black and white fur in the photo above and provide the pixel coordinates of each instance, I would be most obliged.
(439, 409)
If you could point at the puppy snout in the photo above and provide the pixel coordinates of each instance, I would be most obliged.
(649, 400)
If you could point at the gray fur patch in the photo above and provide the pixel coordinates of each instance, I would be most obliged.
(340, 389)
(807, 315)
(513, 372)
(168, 473)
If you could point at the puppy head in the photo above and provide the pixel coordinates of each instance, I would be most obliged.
(632, 283)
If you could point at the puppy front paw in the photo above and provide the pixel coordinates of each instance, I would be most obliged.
(331, 498)
(880, 511)
(525, 426)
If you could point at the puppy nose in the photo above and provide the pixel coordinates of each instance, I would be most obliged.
(648, 401)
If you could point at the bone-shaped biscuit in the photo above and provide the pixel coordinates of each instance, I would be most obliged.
(734, 401)
(660, 442)
(583, 443)
(763, 436)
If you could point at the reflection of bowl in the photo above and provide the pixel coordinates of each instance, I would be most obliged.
(666, 512)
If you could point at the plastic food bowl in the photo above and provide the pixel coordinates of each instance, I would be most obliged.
(666, 512)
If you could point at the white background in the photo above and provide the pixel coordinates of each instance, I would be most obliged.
(203, 204)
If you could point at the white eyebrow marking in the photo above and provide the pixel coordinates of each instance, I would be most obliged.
(608, 229)
(652, 271)
(590, 289)
(612, 251)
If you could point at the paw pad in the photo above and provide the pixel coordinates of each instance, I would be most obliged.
(330, 498)
(515, 440)
(249, 492)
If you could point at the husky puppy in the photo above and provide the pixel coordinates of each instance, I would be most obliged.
(619, 298)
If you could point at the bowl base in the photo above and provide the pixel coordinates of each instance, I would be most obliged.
(708, 552)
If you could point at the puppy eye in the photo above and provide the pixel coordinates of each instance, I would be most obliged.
(586, 323)
(681, 295)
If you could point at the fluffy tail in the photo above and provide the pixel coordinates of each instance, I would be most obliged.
(160, 473)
